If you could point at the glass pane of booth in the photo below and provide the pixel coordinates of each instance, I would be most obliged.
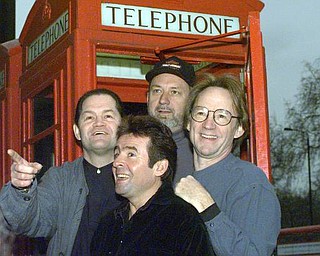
(44, 153)
(121, 66)
(2, 81)
(129, 66)
(134, 108)
(43, 106)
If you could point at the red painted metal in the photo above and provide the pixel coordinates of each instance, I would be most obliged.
(10, 63)
(260, 115)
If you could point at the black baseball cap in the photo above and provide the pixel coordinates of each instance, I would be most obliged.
(175, 66)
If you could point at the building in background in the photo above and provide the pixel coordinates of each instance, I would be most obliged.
(7, 20)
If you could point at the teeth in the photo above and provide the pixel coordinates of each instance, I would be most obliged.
(122, 176)
(209, 136)
(98, 133)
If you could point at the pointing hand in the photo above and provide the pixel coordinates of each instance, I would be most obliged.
(22, 171)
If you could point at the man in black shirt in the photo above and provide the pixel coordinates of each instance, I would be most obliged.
(154, 221)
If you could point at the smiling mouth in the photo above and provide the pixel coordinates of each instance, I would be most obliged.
(99, 133)
(122, 177)
(209, 136)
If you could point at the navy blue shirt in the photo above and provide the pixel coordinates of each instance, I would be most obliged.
(246, 217)
(185, 165)
(101, 199)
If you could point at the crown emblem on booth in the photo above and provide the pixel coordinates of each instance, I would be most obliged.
(46, 12)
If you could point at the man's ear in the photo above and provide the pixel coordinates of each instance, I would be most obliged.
(160, 167)
(76, 132)
(239, 132)
(148, 96)
(188, 125)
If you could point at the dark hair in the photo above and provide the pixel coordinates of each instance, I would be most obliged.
(236, 90)
(161, 145)
(100, 91)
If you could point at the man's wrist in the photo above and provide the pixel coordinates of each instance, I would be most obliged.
(209, 213)
(21, 189)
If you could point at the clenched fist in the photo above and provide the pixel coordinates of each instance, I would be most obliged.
(193, 192)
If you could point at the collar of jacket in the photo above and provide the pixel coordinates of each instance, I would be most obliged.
(163, 196)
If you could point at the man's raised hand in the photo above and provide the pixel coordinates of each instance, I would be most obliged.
(22, 171)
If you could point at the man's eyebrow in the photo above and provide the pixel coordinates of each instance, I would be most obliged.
(131, 148)
(87, 112)
(159, 86)
(117, 148)
(155, 85)
(92, 111)
(108, 110)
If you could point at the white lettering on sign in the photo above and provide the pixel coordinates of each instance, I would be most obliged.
(137, 17)
(1, 79)
(49, 37)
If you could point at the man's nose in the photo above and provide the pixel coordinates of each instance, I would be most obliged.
(98, 121)
(164, 98)
(209, 123)
(118, 162)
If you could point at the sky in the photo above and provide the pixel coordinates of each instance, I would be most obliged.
(290, 30)
(291, 37)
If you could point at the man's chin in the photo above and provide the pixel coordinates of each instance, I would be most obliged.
(170, 123)
(102, 146)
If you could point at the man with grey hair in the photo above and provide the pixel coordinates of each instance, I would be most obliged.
(170, 81)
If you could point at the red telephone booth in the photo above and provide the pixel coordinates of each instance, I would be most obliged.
(69, 47)
(10, 107)
(72, 46)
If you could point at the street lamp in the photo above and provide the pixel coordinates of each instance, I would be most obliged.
(309, 168)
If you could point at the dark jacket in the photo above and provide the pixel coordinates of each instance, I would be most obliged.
(165, 225)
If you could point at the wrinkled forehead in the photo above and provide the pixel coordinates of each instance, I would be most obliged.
(215, 98)
(131, 141)
(167, 80)
(99, 101)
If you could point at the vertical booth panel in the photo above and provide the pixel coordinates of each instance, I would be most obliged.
(10, 70)
(260, 134)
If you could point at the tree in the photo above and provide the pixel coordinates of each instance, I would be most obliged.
(289, 150)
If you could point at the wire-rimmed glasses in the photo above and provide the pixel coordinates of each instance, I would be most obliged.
(221, 117)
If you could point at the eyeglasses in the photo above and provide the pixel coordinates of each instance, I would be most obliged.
(221, 117)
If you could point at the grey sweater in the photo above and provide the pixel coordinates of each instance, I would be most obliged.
(52, 208)
(184, 156)
(249, 219)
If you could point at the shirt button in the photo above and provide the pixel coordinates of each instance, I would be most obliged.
(26, 198)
